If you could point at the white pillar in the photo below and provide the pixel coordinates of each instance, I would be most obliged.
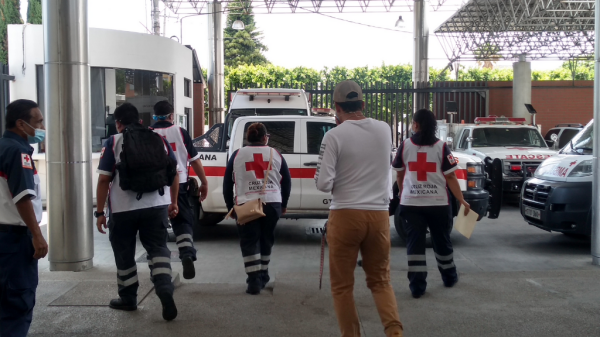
(216, 67)
(421, 44)
(521, 88)
(596, 161)
(69, 150)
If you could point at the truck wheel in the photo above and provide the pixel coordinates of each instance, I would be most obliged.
(398, 223)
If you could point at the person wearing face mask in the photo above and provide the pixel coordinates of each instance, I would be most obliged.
(425, 174)
(245, 173)
(21, 240)
(184, 150)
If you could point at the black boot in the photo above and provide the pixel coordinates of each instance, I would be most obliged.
(254, 283)
(120, 304)
(169, 312)
(264, 278)
(189, 272)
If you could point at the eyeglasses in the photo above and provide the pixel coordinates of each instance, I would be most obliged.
(268, 135)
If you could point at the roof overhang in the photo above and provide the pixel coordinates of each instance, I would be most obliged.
(505, 29)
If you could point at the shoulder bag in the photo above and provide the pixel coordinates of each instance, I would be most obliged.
(252, 209)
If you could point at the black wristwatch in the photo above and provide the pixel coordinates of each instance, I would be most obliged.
(98, 214)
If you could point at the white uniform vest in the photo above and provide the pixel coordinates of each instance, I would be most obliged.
(249, 168)
(424, 182)
(174, 137)
(9, 214)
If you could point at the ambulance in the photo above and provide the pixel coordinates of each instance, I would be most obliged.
(297, 136)
(520, 147)
(559, 196)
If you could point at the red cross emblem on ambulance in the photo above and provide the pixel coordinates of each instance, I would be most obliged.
(422, 166)
(259, 166)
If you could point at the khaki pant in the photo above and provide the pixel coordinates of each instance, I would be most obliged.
(348, 231)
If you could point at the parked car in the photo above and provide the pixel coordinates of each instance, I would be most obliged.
(560, 135)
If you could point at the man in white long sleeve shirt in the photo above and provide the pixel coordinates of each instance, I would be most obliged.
(354, 165)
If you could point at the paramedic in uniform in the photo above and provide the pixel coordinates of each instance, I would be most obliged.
(128, 215)
(184, 150)
(354, 166)
(21, 241)
(245, 173)
(425, 171)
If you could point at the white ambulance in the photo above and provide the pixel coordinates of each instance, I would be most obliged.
(559, 197)
(520, 147)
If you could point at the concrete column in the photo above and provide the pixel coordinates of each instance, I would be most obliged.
(216, 67)
(420, 62)
(69, 149)
(521, 88)
(596, 166)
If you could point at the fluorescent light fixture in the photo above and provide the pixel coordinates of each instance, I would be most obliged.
(238, 25)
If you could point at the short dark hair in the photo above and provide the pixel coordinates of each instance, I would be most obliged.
(351, 107)
(256, 132)
(19, 109)
(126, 114)
(163, 108)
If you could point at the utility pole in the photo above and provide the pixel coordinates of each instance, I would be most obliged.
(155, 17)
(596, 137)
(420, 62)
(216, 73)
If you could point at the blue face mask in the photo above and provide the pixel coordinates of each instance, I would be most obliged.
(39, 136)
(160, 118)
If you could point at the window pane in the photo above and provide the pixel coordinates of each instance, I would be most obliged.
(566, 137)
(98, 105)
(315, 131)
(282, 135)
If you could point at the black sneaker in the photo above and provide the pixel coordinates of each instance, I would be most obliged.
(417, 294)
(254, 286)
(169, 309)
(119, 304)
(264, 278)
(189, 271)
(451, 284)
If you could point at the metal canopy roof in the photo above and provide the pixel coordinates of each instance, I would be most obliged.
(303, 6)
(505, 29)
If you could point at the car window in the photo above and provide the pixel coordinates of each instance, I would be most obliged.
(281, 135)
(463, 144)
(566, 137)
(315, 131)
(551, 132)
(491, 137)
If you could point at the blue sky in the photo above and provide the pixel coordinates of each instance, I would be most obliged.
(308, 40)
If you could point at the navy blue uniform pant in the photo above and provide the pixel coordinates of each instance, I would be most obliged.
(18, 282)
(183, 225)
(416, 220)
(152, 224)
(257, 239)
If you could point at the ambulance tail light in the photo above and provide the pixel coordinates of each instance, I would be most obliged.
(516, 168)
(323, 111)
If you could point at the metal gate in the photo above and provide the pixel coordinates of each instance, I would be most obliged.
(393, 103)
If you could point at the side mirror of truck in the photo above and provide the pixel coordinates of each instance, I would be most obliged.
(470, 139)
(450, 142)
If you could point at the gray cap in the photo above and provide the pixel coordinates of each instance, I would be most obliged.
(347, 91)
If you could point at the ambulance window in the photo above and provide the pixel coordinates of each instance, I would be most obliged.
(315, 131)
(281, 135)
(463, 140)
(566, 137)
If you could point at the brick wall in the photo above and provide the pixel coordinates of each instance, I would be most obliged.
(555, 101)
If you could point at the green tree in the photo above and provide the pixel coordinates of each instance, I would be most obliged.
(34, 12)
(9, 14)
(487, 55)
(243, 46)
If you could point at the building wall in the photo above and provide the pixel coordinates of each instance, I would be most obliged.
(108, 49)
(555, 101)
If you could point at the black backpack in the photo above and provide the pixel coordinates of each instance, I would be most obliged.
(145, 166)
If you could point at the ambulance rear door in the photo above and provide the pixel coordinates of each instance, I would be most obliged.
(314, 129)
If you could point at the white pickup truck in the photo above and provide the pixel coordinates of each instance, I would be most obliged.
(298, 138)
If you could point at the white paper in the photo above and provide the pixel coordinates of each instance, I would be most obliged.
(466, 224)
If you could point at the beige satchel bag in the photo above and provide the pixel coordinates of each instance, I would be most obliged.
(252, 209)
